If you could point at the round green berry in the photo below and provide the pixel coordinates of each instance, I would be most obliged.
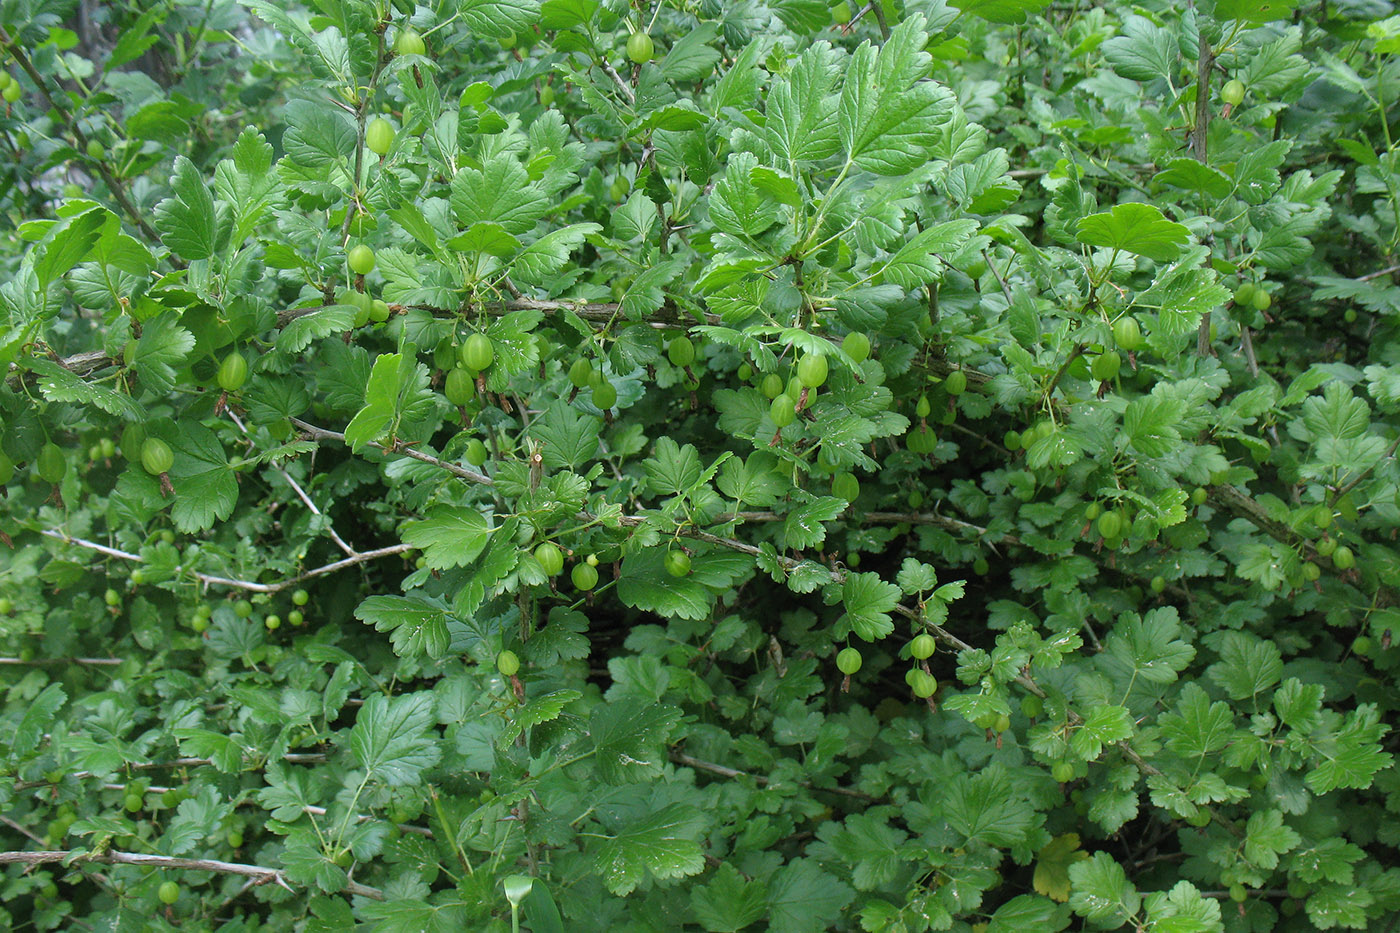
(478, 352)
(409, 42)
(550, 558)
(848, 661)
(857, 346)
(640, 47)
(680, 351)
(677, 562)
(379, 135)
(508, 663)
(584, 576)
(360, 259)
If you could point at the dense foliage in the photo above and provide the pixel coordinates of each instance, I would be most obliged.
(706, 466)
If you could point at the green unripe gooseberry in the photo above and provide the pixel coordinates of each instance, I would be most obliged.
(478, 352)
(233, 372)
(922, 646)
(508, 663)
(547, 95)
(301, 598)
(156, 456)
(580, 373)
(50, 464)
(1032, 706)
(1126, 333)
(812, 370)
(7, 606)
(1012, 440)
(857, 346)
(783, 411)
(273, 622)
(379, 136)
(410, 42)
(677, 563)
(1092, 511)
(476, 452)
(922, 408)
(1233, 92)
(604, 396)
(12, 93)
(1326, 546)
(1111, 525)
(1238, 894)
(772, 385)
(956, 383)
(1106, 366)
(1062, 771)
(845, 486)
(841, 13)
(745, 372)
(459, 387)
(1158, 584)
(680, 351)
(243, 609)
(550, 558)
(1343, 558)
(640, 47)
(584, 575)
(168, 892)
(924, 685)
(1262, 300)
(360, 259)
(1362, 645)
(1349, 315)
(379, 311)
(848, 661)
(1199, 495)
(1311, 572)
(112, 597)
(980, 566)
(1244, 295)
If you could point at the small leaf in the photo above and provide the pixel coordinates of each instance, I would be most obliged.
(1135, 228)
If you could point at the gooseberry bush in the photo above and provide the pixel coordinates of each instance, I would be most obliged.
(563, 465)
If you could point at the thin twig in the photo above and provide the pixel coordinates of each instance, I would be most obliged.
(1375, 275)
(212, 580)
(301, 494)
(262, 874)
(626, 89)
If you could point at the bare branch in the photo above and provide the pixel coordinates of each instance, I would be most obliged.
(626, 89)
(360, 557)
(260, 873)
